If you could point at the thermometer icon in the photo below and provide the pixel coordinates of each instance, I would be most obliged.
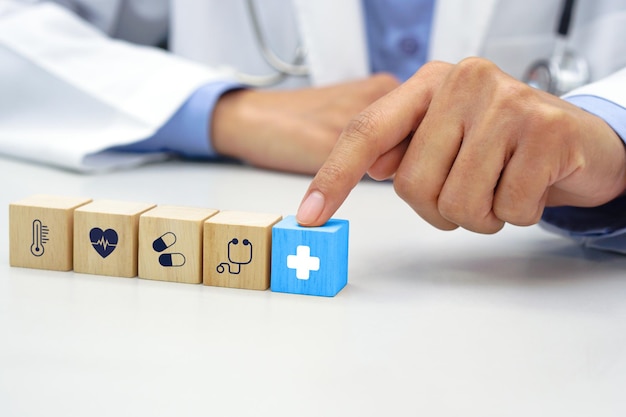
(40, 237)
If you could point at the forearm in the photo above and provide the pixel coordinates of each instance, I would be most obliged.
(70, 91)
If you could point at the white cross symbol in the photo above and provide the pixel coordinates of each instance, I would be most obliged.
(303, 262)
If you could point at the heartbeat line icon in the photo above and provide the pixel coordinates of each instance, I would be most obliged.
(103, 241)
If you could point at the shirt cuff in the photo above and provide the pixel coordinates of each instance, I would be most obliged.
(602, 227)
(612, 113)
(187, 132)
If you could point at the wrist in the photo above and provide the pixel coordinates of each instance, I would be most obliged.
(230, 116)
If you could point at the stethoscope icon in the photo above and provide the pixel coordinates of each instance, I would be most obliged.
(235, 263)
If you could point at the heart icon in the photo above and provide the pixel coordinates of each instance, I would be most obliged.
(103, 241)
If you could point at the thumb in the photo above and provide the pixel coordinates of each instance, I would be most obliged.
(371, 134)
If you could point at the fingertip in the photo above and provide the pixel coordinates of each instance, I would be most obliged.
(311, 209)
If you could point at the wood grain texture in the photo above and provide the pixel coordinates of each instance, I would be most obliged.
(237, 249)
(106, 237)
(170, 243)
(41, 231)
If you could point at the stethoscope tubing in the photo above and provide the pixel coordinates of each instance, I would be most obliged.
(282, 68)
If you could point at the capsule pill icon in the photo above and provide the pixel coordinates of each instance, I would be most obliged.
(164, 241)
(172, 259)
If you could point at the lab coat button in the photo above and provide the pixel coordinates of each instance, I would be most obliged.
(408, 45)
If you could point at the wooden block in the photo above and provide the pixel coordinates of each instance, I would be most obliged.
(41, 231)
(237, 249)
(170, 243)
(310, 260)
(105, 237)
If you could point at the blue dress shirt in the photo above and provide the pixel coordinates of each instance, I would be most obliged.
(398, 34)
(187, 133)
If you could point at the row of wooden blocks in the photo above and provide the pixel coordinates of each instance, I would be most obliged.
(180, 244)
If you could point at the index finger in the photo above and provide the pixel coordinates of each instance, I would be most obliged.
(371, 134)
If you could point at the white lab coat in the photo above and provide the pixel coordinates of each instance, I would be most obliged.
(67, 91)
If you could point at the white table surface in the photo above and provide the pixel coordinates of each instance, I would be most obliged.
(522, 323)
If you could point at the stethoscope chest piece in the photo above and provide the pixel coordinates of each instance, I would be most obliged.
(565, 70)
(560, 74)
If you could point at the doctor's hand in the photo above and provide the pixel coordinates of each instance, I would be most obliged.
(291, 130)
(469, 146)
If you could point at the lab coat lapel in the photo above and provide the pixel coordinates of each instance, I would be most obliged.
(459, 28)
(334, 34)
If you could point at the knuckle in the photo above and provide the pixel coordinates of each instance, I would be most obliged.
(549, 132)
(362, 128)
(511, 96)
(514, 215)
(385, 81)
(454, 209)
(433, 67)
(474, 68)
(402, 186)
(516, 208)
(421, 201)
(480, 79)
(408, 189)
(430, 70)
(549, 119)
(331, 173)
(468, 214)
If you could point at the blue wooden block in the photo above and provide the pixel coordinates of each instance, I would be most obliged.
(309, 260)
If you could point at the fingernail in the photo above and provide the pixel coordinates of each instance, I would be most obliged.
(311, 208)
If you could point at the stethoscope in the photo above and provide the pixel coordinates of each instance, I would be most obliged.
(282, 68)
(222, 267)
(558, 75)
(564, 71)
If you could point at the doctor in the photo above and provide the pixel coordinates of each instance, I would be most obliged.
(131, 98)
(76, 86)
